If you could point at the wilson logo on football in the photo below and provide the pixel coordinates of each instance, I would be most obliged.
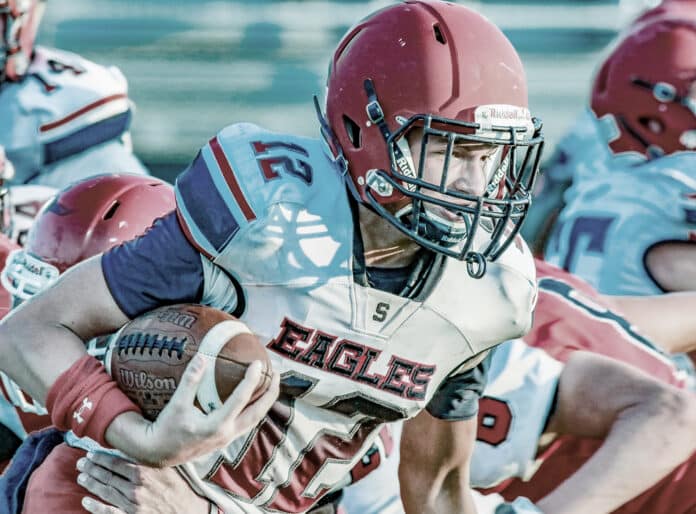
(177, 318)
(142, 380)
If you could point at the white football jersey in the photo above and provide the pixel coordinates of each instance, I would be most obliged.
(515, 406)
(68, 119)
(271, 218)
(271, 212)
(582, 152)
(513, 412)
(611, 220)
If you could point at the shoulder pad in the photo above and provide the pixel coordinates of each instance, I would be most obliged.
(240, 175)
(75, 103)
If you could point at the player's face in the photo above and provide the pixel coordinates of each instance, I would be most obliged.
(470, 168)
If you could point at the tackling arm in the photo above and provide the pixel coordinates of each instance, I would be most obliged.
(603, 398)
(666, 319)
(434, 466)
(44, 336)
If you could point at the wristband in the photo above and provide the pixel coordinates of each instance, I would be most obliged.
(86, 400)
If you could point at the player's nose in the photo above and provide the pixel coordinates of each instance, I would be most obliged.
(473, 183)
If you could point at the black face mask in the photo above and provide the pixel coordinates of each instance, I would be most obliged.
(488, 223)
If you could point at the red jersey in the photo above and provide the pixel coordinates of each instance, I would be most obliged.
(571, 316)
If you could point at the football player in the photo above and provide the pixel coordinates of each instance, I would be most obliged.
(61, 116)
(583, 154)
(570, 377)
(630, 231)
(80, 221)
(378, 266)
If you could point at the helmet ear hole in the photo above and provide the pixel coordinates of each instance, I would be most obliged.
(353, 131)
(112, 210)
(652, 124)
(438, 34)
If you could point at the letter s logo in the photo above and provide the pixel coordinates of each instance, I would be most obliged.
(381, 312)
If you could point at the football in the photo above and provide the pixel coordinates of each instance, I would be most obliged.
(148, 355)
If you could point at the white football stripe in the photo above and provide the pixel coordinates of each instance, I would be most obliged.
(211, 345)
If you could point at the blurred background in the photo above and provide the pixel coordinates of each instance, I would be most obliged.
(195, 66)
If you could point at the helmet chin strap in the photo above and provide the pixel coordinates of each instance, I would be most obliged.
(435, 228)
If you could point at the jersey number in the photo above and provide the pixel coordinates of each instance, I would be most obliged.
(271, 165)
(494, 420)
(57, 67)
(588, 234)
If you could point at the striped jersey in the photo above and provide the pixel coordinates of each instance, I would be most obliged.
(66, 120)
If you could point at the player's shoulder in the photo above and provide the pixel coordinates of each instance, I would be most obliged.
(247, 177)
(582, 151)
(495, 307)
(65, 105)
(68, 92)
(67, 70)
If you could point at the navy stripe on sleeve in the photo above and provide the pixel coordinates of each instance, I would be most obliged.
(205, 205)
(158, 268)
(85, 138)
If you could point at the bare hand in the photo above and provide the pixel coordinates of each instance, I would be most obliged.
(130, 488)
(182, 431)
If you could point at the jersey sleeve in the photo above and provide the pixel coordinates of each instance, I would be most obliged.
(159, 267)
(84, 104)
(457, 397)
(113, 156)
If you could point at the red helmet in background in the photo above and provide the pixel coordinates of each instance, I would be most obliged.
(674, 8)
(447, 70)
(647, 86)
(82, 220)
(19, 21)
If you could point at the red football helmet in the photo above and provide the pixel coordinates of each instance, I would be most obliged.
(647, 86)
(676, 8)
(445, 69)
(82, 220)
(19, 20)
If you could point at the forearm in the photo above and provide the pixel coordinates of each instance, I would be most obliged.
(636, 454)
(45, 336)
(422, 493)
(28, 352)
(665, 319)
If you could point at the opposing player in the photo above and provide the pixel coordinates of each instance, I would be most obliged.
(344, 257)
(61, 116)
(629, 231)
(584, 154)
(80, 221)
(571, 378)
(617, 468)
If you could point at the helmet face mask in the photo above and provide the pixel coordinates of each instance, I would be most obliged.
(25, 275)
(457, 223)
(446, 70)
